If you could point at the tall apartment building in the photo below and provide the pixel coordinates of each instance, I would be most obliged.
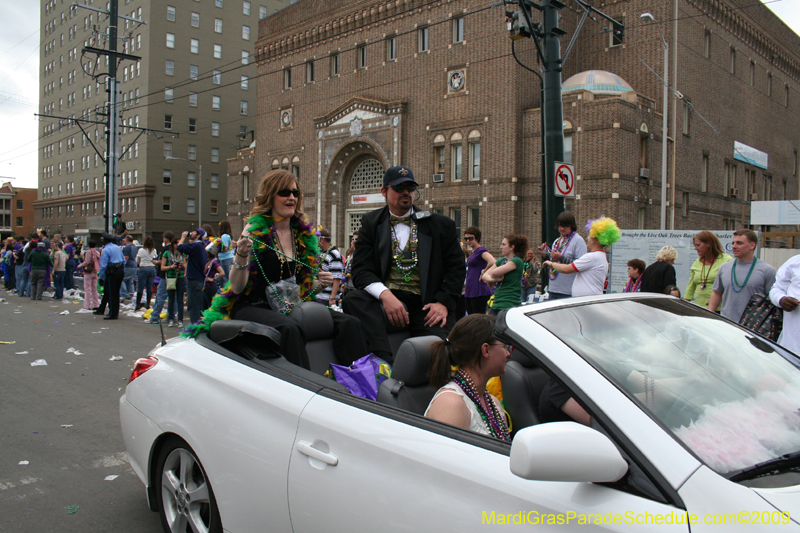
(195, 82)
(348, 88)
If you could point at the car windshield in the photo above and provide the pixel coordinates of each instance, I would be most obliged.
(728, 395)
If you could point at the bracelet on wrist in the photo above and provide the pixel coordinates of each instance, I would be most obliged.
(245, 255)
(237, 266)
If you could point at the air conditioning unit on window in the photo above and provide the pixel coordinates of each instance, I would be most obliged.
(644, 173)
(754, 197)
(438, 178)
(734, 192)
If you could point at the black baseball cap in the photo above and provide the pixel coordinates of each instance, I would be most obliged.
(109, 238)
(397, 175)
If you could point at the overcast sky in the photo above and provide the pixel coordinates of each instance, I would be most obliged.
(19, 84)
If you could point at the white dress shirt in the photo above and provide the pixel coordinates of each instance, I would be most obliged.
(402, 231)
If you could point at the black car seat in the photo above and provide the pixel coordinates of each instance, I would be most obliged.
(409, 387)
(522, 385)
(317, 324)
(250, 339)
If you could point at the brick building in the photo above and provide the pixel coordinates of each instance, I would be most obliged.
(16, 210)
(347, 89)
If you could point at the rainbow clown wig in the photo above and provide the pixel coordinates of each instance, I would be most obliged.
(604, 230)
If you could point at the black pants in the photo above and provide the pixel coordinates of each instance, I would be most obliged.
(349, 341)
(477, 305)
(111, 286)
(369, 310)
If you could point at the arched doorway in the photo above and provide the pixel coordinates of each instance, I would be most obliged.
(365, 186)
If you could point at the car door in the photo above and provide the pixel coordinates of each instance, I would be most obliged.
(361, 466)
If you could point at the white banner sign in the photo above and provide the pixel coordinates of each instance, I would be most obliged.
(645, 244)
(775, 213)
(375, 198)
(750, 155)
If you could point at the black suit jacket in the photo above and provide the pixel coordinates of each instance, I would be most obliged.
(442, 268)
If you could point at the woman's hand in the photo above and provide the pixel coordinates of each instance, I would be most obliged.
(243, 246)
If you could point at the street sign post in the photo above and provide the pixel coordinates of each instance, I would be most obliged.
(565, 180)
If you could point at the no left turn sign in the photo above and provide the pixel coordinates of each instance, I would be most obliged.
(565, 179)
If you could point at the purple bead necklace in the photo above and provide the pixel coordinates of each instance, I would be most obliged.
(491, 418)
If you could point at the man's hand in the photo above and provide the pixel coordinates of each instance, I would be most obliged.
(436, 313)
(183, 237)
(395, 310)
(325, 278)
(555, 255)
(789, 304)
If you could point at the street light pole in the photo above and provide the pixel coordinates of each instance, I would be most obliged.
(199, 187)
(663, 220)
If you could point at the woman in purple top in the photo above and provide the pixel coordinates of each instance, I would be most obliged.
(69, 249)
(476, 292)
(212, 272)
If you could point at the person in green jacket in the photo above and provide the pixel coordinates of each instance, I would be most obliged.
(40, 259)
(506, 273)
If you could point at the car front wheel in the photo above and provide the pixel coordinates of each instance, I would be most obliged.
(187, 501)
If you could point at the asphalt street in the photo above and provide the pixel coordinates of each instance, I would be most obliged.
(60, 439)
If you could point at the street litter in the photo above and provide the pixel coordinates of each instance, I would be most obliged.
(39, 362)
(23, 462)
(57, 322)
(21, 353)
(72, 509)
(2, 299)
(73, 350)
(68, 363)
(82, 310)
(8, 342)
(64, 312)
(66, 425)
(97, 332)
(108, 478)
(103, 328)
(116, 358)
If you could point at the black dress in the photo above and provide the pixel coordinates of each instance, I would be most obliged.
(350, 342)
(658, 277)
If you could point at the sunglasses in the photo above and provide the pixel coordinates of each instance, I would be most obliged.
(469, 238)
(403, 187)
(284, 193)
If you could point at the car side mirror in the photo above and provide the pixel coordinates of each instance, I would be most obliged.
(565, 451)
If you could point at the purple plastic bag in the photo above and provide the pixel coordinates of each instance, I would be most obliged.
(363, 377)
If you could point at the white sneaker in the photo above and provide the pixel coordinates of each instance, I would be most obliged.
(171, 324)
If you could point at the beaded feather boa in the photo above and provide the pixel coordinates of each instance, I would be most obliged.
(260, 228)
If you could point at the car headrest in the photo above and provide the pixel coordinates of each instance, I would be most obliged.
(523, 359)
(315, 319)
(413, 359)
(225, 332)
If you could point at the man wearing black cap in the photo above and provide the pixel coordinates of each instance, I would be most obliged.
(407, 265)
(112, 270)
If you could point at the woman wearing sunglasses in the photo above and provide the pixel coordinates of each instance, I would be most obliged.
(476, 292)
(275, 267)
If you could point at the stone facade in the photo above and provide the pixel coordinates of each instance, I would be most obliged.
(347, 89)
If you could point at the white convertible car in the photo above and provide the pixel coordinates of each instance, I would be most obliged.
(695, 424)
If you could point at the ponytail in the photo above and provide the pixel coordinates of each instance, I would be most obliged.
(461, 348)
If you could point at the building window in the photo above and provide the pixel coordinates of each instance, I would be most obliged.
(786, 95)
(707, 44)
(19, 221)
(422, 39)
(245, 8)
(170, 40)
(166, 204)
(455, 214)
(167, 149)
(190, 207)
(215, 181)
(193, 71)
(218, 3)
(215, 103)
(170, 13)
(767, 188)
(458, 30)
(244, 83)
(243, 107)
(169, 68)
(168, 95)
(704, 173)
(455, 163)
(440, 159)
(217, 25)
(474, 160)
(192, 152)
(616, 36)
(192, 99)
(769, 84)
(216, 77)
(167, 177)
(192, 125)
(752, 73)
(167, 122)
(215, 129)
(195, 20)
(367, 176)
(217, 51)
(245, 57)
(685, 119)
(191, 179)
(685, 207)
(246, 33)
(287, 78)
(309, 72)
(214, 207)
(474, 216)
(391, 48)
(194, 46)
(215, 155)
(262, 12)
(334, 64)
(729, 180)
(361, 56)
(19, 204)
(245, 187)
(732, 66)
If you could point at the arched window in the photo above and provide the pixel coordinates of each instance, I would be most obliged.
(368, 175)
(474, 155)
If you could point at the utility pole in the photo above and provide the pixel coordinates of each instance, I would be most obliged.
(547, 37)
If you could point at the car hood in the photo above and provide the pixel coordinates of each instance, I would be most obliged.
(785, 499)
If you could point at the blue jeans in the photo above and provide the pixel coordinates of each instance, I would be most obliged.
(145, 277)
(69, 283)
(176, 299)
(161, 298)
(226, 267)
(23, 283)
(558, 296)
(128, 286)
(58, 283)
(526, 291)
(194, 299)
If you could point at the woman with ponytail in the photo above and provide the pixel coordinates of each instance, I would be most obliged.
(460, 367)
